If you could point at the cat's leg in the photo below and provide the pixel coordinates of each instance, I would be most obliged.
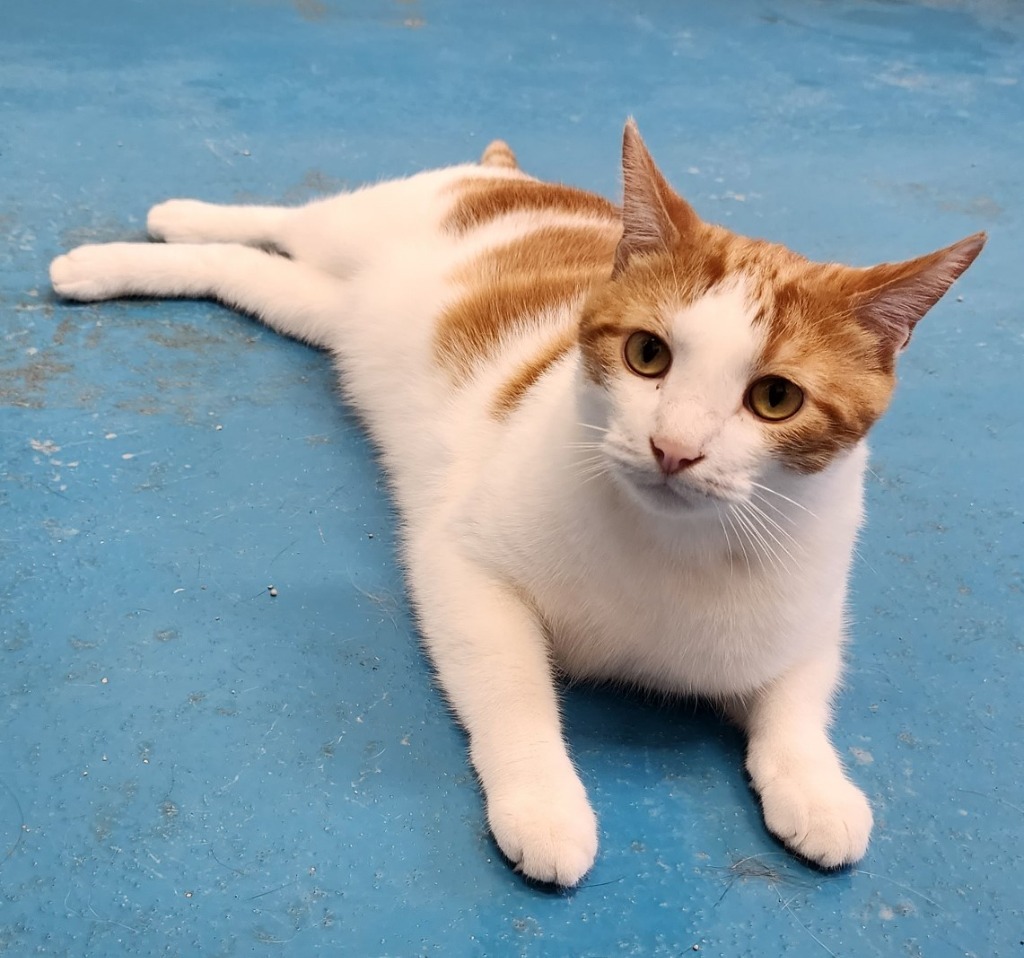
(491, 657)
(293, 298)
(193, 221)
(808, 801)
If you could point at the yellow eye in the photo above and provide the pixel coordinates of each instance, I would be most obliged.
(647, 355)
(774, 398)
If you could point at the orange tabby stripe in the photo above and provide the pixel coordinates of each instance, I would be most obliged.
(515, 389)
(515, 286)
(499, 153)
(482, 201)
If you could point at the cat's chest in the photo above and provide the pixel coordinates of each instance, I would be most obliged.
(700, 625)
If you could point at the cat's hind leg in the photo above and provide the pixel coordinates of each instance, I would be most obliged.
(193, 221)
(293, 298)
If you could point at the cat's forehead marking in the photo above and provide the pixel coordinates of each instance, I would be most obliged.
(716, 333)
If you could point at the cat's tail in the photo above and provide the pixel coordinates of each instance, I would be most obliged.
(499, 153)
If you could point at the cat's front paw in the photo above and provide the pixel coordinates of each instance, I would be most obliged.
(549, 833)
(825, 819)
(89, 273)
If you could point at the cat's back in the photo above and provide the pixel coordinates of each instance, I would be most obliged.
(468, 296)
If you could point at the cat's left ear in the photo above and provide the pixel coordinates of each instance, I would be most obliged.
(891, 298)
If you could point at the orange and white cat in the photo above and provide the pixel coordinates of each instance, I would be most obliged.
(625, 445)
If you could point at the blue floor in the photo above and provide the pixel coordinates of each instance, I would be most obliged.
(192, 766)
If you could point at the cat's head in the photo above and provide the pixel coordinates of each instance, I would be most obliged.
(714, 360)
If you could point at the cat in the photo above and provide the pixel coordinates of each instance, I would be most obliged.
(625, 444)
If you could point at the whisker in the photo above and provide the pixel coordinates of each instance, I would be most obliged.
(758, 516)
(755, 506)
(725, 532)
(758, 485)
(587, 425)
(586, 463)
(777, 509)
(589, 463)
(729, 517)
(595, 475)
(755, 537)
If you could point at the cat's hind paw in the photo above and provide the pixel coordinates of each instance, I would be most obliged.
(549, 835)
(89, 273)
(180, 221)
(828, 822)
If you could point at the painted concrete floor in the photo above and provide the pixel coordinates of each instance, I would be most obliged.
(189, 766)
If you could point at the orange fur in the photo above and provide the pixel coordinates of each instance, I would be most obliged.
(481, 201)
(833, 330)
(514, 390)
(515, 286)
(499, 154)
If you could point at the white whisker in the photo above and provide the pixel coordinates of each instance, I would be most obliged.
(755, 505)
(725, 532)
(754, 537)
(758, 516)
(756, 502)
(739, 538)
(777, 509)
(596, 474)
(758, 485)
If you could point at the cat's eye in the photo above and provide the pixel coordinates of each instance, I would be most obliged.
(774, 398)
(647, 355)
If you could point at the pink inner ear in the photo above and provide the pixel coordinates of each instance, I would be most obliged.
(653, 214)
(891, 298)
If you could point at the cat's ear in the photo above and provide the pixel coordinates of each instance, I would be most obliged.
(654, 216)
(890, 298)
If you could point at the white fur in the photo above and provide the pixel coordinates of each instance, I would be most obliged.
(549, 539)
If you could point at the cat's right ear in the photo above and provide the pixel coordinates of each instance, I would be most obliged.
(654, 216)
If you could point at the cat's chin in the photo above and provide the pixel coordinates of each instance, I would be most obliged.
(664, 499)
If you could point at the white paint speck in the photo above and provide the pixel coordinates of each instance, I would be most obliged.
(128, 455)
(46, 446)
(110, 435)
(862, 756)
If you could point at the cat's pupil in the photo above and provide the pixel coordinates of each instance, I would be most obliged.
(651, 350)
(777, 392)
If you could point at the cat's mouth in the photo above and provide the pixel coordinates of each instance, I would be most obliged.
(671, 494)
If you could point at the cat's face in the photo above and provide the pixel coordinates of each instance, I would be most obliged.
(715, 362)
(706, 389)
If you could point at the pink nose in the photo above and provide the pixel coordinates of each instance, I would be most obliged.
(674, 457)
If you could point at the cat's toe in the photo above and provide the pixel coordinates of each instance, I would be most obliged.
(550, 838)
(828, 823)
(175, 221)
(84, 274)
